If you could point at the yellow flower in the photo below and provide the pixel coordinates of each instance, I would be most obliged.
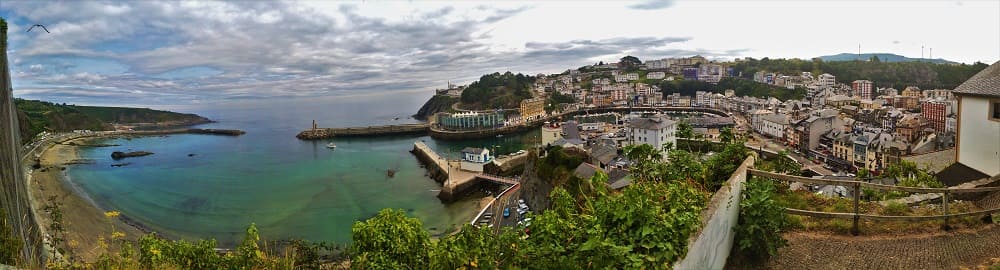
(112, 214)
(155, 251)
(74, 243)
(117, 235)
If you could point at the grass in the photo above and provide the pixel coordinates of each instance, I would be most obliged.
(805, 200)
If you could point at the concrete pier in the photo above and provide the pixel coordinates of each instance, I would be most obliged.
(326, 133)
(454, 181)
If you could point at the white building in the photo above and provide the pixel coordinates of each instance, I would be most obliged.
(773, 125)
(656, 75)
(655, 131)
(627, 77)
(978, 139)
(827, 80)
(473, 159)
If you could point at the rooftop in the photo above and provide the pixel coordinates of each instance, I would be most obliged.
(985, 83)
(651, 123)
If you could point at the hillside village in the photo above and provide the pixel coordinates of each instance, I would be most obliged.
(846, 126)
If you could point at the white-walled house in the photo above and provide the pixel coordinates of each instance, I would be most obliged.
(473, 159)
(978, 139)
(654, 131)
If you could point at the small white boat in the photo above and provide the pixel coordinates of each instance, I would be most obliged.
(331, 146)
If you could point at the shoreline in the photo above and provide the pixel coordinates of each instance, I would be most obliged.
(84, 219)
(84, 222)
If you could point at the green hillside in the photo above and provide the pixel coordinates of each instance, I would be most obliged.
(497, 90)
(137, 115)
(36, 116)
(897, 75)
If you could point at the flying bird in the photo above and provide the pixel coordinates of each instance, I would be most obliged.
(39, 25)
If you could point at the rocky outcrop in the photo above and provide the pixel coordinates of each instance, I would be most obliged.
(116, 155)
(437, 103)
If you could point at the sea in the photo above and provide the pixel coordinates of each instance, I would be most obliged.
(206, 186)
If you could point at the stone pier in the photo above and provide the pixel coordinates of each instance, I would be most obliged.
(453, 180)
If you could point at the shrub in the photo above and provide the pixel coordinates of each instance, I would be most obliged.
(895, 209)
(762, 220)
(390, 240)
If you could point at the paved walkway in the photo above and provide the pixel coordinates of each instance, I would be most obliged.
(943, 251)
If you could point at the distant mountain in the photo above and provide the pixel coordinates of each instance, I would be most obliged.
(884, 57)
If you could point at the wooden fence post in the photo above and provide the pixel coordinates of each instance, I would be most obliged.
(944, 204)
(857, 197)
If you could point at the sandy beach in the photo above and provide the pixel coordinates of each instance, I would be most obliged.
(84, 223)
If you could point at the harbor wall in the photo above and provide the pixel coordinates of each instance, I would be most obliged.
(429, 160)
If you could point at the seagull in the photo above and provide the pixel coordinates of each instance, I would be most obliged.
(39, 25)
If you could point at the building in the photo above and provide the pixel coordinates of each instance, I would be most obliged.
(551, 132)
(656, 75)
(655, 131)
(935, 112)
(809, 130)
(863, 89)
(937, 94)
(626, 77)
(978, 143)
(826, 80)
(473, 159)
(690, 74)
(471, 120)
(911, 91)
(532, 109)
(773, 125)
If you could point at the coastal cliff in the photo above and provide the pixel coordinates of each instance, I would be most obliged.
(437, 103)
(36, 116)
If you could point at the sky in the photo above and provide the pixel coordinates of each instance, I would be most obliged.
(178, 53)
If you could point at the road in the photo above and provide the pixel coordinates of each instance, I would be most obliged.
(759, 142)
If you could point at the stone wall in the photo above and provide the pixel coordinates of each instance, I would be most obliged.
(709, 247)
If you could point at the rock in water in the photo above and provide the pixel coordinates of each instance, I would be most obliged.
(120, 155)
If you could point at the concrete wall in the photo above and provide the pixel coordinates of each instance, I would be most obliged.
(978, 137)
(709, 247)
(13, 188)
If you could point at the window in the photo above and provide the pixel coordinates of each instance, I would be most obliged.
(995, 110)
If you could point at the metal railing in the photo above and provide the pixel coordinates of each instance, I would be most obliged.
(857, 185)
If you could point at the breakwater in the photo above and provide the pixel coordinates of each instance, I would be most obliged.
(326, 133)
(438, 132)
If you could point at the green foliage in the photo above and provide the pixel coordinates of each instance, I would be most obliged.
(895, 209)
(646, 226)
(629, 63)
(558, 164)
(722, 165)
(762, 220)
(477, 248)
(38, 116)
(897, 74)
(684, 130)
(10, 244)
(741, 87)
(910, 176)
(556, 98)
(390, 240)
(498, 90)
(784, 163)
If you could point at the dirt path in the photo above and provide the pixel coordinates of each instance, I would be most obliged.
(950, 250)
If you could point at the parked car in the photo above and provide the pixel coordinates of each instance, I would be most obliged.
(506, 212)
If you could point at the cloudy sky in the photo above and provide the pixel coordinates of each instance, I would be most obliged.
(163, 53)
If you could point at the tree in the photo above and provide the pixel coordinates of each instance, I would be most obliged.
(726, 135)
(684, 130)
(648, 161)
(390, 240)
(784, 163)
(629, 63)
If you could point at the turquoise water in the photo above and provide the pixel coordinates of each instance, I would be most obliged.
(289, 188)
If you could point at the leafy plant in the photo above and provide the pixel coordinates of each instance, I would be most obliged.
(762, 220)
(390, 240)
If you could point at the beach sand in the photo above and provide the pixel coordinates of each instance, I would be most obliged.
(84, 223)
